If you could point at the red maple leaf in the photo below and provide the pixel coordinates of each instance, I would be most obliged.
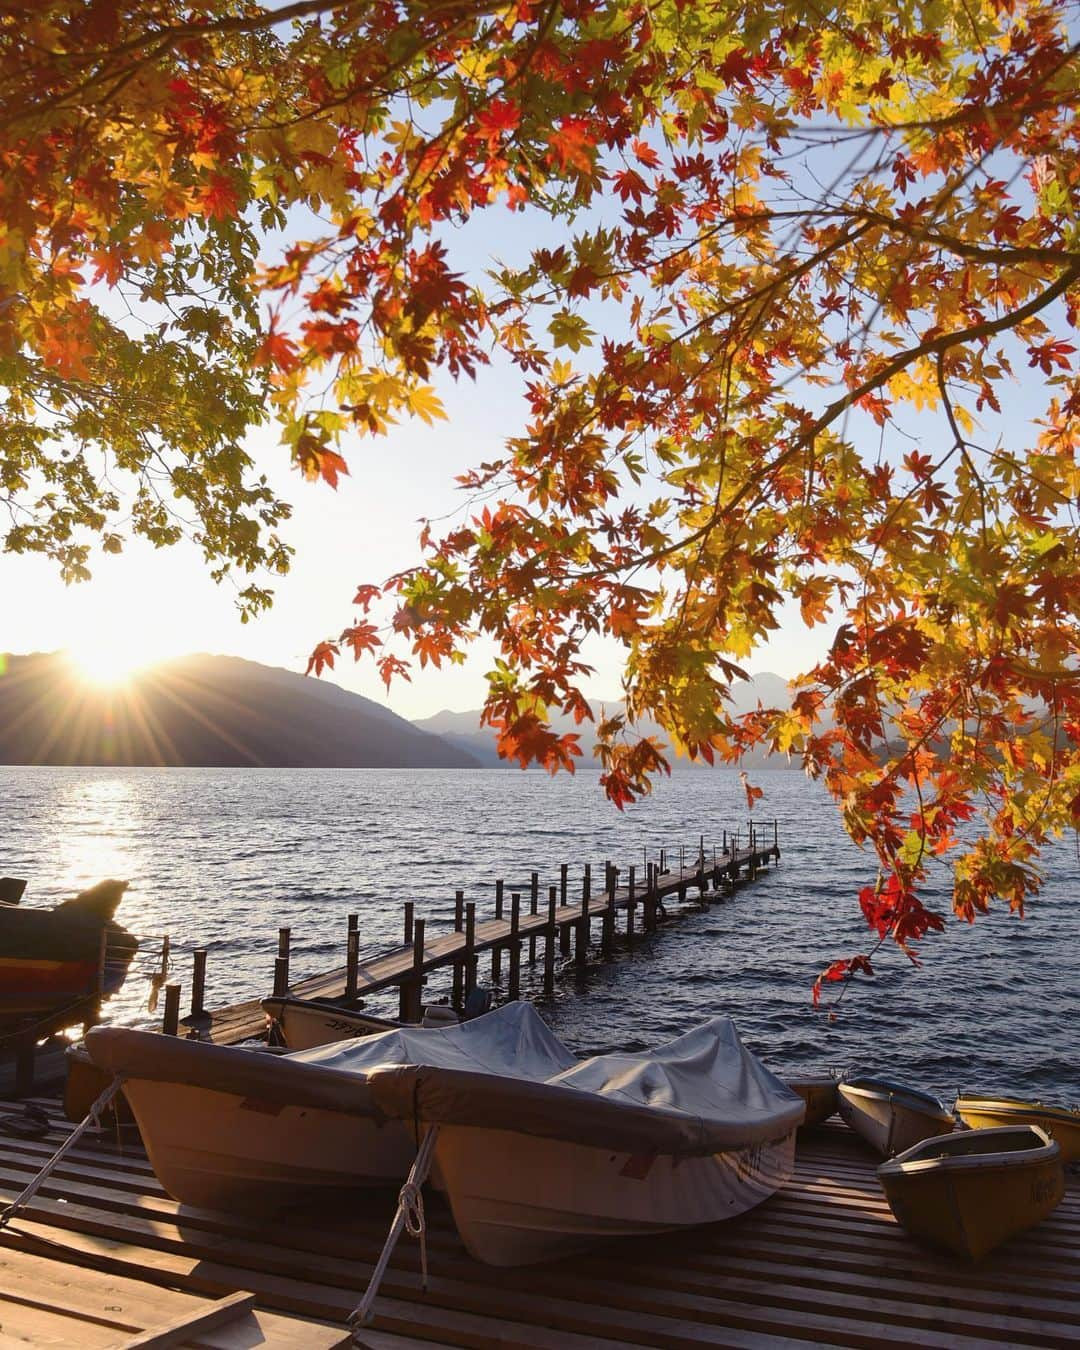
(218, 199)
(321, 657)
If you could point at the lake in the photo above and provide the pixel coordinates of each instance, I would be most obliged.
(221, 857)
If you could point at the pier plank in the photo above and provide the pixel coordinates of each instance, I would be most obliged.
(822, 1263)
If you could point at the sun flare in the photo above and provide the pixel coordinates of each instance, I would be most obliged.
(112, 661)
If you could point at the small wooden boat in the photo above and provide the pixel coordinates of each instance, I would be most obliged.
(820, 1092)
(552, 1157)
(56, 964)
(238, 1129)
(300, 1023)
(1058, 1121)
(971, 1191)
(303, 1023)
(890, 1116)
(84, 1083)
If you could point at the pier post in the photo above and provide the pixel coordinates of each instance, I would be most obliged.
(352, 957)
(281, 965)
(776, 840)
(496, 951)
(631, 902)
(408, 923)
(470, 947)
(752, 867)
(457, 996)
(198, 981)
(582, 944)
(515, 947)
(564, 932)
(170, 1022)
(411, 1000)
(549, 944)
(650, 899)
(607, 930)
(534, 905)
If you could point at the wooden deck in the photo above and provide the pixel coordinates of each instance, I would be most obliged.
(821, 1263)
(414, 960)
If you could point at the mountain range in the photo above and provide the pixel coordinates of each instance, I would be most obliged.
(204, 711)
(207, 710)
(463, 729)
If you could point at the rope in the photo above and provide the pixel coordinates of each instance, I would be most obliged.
(408, 1218)
(25, 1196)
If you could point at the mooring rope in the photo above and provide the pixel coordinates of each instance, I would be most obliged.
(408, 1218)
(25, 1196)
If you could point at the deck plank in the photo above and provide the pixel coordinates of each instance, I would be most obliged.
(821, 1263)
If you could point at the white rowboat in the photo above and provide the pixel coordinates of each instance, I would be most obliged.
(890, 1116)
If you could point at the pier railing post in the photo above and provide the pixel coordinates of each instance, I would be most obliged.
(281, 965)
(457, 995)
(496, 951)
(515, 946)
(534, 905)
(549, 944)
(408, 923)
(631, 902)
(650, 898)
(582, 944)
(470, 947)
(198, 981)
(412, 987)
(170, 1021)
(776, 840)
(607, 931)
(352, 958)
(564, 932)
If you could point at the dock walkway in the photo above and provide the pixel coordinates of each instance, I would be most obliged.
(821, 1263)
(519, 919)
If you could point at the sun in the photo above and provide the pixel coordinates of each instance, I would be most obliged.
(112, 661)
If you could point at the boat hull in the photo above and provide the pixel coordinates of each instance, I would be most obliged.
(220, 1150)
(891, 1119)
(969, 1193)
(821, 1095)
(303, 1025)
(1057, 1122)
(519, 1199)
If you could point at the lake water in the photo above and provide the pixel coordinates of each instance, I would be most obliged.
(221, 858)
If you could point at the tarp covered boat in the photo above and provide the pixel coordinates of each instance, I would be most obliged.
(539, 1153)
(1058, 1121)
(692, 1132)
(231, 1128)
(969, 1192)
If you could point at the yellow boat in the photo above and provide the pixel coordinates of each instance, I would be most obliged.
(1058, 1122)
(819, 1092)
(971, 1191)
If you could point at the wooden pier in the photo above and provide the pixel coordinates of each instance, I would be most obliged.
(523, 922)
(820, 1263)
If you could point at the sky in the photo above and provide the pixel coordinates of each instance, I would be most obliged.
(162, 602)
(148, 604)
(151, 604)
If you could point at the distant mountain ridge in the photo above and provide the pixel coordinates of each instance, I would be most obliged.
(463, 729)
(204, 711)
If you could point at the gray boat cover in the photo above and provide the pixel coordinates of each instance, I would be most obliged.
(702, 1093)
